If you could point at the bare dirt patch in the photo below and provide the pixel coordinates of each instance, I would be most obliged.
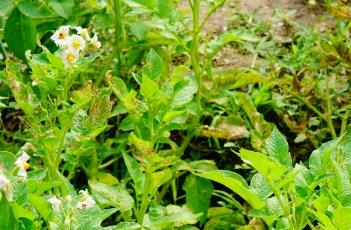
(276, 12)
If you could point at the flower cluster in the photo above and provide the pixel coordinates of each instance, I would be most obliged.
(73, 44)
(55, 203)
(5, 186)
(5, 183)
(87, 201)
(22, 164)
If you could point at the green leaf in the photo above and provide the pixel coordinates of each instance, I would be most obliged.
(263, 214)
(41, 205)
(21, 212)
(91, 218)
(5, 3)
(127, 124)
(149, 88)
(39, 187)
(323, 219)
(260, 186)
(168, 217)
(238, 36)
(7, 217)
(198, 193)
(342, 218)
(184, 93)
(139, 29)
(7, 159)
(278, 148)
(154, 65)
(270, 169)
(62, 7)
(135, 172)
(34, 9)
(274, 207)
(159, 178)
(112, 195)
(319, 160)
(321, 203)
(38, 174)
(237, 184)
(20, 33)
(127, 226)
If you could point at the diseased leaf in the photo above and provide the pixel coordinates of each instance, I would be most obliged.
(154, 65)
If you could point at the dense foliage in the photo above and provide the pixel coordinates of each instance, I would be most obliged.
(119, 115)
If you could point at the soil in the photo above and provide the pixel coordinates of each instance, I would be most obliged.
(296, 10)
(296, 13)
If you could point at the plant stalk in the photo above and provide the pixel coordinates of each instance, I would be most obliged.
(117, 6)
(145, 197)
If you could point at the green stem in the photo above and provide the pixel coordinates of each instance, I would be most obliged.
(195, 57)
(345, 121)
(119, 38)
(329, 113)
(195, 63)
(325, 117)
(284, 208)
(108, 163)
(145, 197)
(212, 11)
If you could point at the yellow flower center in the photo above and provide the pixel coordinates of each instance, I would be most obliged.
(70, 57)
(62, 35)
(76, 43)
(26, 165)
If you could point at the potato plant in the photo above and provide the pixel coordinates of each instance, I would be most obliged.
(117, 114)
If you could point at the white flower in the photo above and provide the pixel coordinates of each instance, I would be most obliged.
(21, 162)
(94, 41)
(55, 203)
(69, 56)
(61, 36)
(5, 185)
(76, 42)
(87, 201)
(83, 32)
(69, 198)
